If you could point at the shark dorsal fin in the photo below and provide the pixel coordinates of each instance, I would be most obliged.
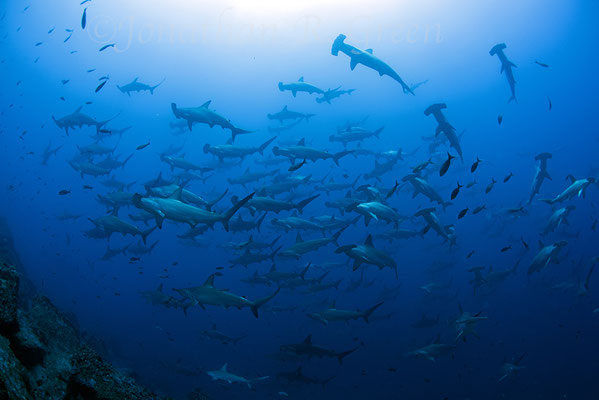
(78, 109)
(136, 78)
(224, 368)
(333, 304)
(301, 79)
(348, 194)
(369, 51)
(273, 268)
(438, 339)
(160, 287)
(177, 194)
(298, 238)
(285, 108)
(213, 327)
(302, 142)
(251, 238)
(460, 308)
(541, 244)
(308, 339)
(205, 105)
(229, 142)
(294, 214)
(210, 281)
(368, 241)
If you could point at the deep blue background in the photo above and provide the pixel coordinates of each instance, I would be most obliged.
(234, 56)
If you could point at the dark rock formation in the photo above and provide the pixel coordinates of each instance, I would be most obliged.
(41, 353)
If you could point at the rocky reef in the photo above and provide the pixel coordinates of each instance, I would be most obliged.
(42, 355)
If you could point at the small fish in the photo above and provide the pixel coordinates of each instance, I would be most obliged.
(446, 164)
(503, 250)
(475, 165)
(550, 105)
(462, 213)
(51, 30)
(68, 37)
(470, 254)
(65, 81)
(89, 102)
(470, 184)
(392, 190)
(295, 167)
(479, 209)
(69, 30)
(455, 191)
(64, 192)
(107, 46)
(74, 51)
(103, 78)
(36, 60)
(507, 178)
(391, 369)
(220, 268)
(84, 1)
(541, 64)
(499, 119)
(62, 98)
(91, 70)
(142, 146)
(134, 259)
(524, 243)
(84, 19)
(594, 226)
(39, 44)
(490, 186)
(101, 85)
(88, 187)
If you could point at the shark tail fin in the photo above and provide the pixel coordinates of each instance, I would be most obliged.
(369, 312)
(300, 206)
(219, 198)
(237, 131)
(342, 355)
(146, 233)
(337, 234)
(324, 383)
(155, 86)
(338, 156)
(259, 303)
(265, 144)
(513, 98)
(231, 211)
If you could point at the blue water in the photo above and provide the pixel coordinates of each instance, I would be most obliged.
(234, 53)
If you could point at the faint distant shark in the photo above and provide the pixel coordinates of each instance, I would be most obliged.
(366, 58)
(506, 66)
(203, 115)
(77, 119)
(223, 375)
(299, 86)
(136, 86)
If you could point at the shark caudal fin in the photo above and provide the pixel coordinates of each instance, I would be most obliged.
(338, 156)
(219, 198)
(238, 131)
(265, 145)
(154, 87)
(369, 312)
(300, 206)
(146, 233)
(259, 303)
(231, 211)
(342, 355)
(337, 44)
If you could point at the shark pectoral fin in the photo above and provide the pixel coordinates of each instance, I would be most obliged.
(352, 63)
(189, 124)
(357, 264)
(373, 216)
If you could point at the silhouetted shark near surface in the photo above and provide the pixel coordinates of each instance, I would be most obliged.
(506, 66)
(366, 58)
